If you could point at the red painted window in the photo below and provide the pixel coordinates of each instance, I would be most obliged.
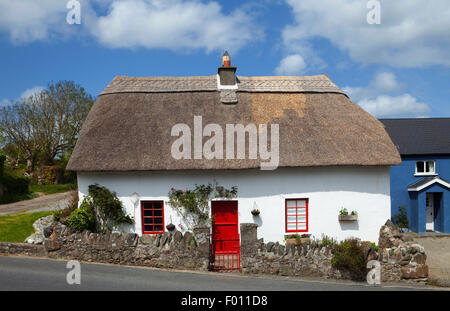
(296, 215)
(152, 216)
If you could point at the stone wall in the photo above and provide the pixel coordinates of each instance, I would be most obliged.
(169, 250)
(399, 256)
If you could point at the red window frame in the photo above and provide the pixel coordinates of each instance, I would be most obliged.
(296, 214)
(143, 203)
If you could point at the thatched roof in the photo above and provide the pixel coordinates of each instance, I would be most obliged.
(129, 126)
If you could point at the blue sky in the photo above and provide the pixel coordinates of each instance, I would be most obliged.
(398, 68)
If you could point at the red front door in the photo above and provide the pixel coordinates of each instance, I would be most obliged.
(225, 235)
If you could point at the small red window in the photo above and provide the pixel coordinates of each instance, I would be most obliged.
(152, 216)
(296, 215)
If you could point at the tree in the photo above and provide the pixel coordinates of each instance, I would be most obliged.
(47, 124)
(17, 126)
(62, 109)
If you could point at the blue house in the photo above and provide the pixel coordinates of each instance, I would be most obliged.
(422, 182)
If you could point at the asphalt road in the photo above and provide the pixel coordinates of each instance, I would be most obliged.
(21, 273)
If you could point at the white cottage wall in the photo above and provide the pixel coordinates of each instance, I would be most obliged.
(329, 189)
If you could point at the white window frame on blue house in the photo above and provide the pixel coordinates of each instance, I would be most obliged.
(427, 169)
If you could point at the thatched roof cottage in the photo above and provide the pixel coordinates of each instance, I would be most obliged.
(296, 147)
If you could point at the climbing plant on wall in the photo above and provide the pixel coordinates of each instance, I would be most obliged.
(193, 205)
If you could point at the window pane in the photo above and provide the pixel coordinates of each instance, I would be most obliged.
(301, 218)
(301, 226)
(148, 220)
(301, 211)
(148, 228)
(158, 220)
(430, 167)
(291, 218)
(291, 203)
(420, 167)
(157, 205)
(301, 203)
(158, 228)
(157, 212)
(291, 226)
(291, 211)
(148, 213)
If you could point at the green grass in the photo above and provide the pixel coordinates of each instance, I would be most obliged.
(51, 189)
(17, 227)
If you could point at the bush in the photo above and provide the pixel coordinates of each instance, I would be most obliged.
(2, 163)
(15, 184)
(401, 219)
(61, 215)
(348, 256)
(81, 219)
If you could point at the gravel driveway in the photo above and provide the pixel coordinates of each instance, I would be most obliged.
(44, 203)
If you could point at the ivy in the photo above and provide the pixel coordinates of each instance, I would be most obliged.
(107, 208)
(193, 205)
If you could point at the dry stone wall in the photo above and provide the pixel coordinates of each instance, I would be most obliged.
(399, 256)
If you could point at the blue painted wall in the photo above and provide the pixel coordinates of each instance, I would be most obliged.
(403, 175)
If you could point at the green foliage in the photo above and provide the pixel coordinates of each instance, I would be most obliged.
(51, 189)
(82, 219)
(401, 219)
(2, 163)
(343, 211)
(193, 205)
(374, 246)
(16, 187)
(326, 241)
(348, 256)
(61, 215)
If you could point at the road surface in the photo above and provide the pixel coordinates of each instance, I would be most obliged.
(43, 203)
(24, 273)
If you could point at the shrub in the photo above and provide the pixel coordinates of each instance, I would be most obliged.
(61, 215)
(348, 256)
(2, 163)
(326, 241)
(107, 207)
(15, 184)
(401, 219)
(81, 219)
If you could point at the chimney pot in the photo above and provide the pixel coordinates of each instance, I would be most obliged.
(227, 73)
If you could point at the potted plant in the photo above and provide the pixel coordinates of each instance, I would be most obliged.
(344, 216)
(170, 227)
(297, 239)
(255, 212)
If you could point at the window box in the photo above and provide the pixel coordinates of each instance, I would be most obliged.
(348, 217)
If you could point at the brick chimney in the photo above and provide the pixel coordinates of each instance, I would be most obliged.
(227, 74)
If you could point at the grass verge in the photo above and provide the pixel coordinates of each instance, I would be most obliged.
(16, 227)
(51, 189)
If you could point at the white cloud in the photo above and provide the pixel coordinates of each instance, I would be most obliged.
(395, 106)
(383, 82)
(5, 102)
(30, 20)
(30, 92)
(381, 98)
(170, 24)
(412, 33)
(174, 25)
(24, 95)
(291, 65)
